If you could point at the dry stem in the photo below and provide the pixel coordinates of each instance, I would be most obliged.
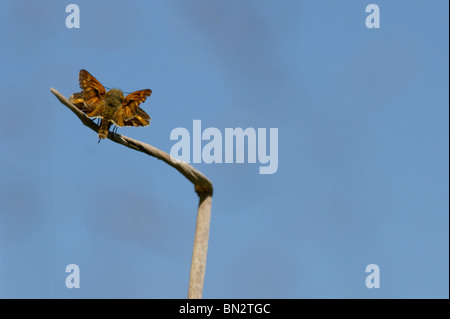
(203, 187)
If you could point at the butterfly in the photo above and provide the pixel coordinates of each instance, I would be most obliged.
(112, 107)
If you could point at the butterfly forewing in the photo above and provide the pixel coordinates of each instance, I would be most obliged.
(93, 94)
(133, 100)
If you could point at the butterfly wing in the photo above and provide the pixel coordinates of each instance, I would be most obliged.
(132, 101)
(140, 118)
(93, 94)
(129, 113)
(78, 101)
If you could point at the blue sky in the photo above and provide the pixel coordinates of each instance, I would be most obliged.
(362, 118)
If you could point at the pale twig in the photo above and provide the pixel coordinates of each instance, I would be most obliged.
(203, 187)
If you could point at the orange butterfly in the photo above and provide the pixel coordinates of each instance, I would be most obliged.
(111, 106)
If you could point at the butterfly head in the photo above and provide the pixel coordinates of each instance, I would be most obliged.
(114, 97)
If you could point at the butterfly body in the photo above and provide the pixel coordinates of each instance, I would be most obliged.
(113, 100)
(111, 106)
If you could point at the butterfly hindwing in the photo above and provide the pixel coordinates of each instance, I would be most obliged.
(140, 118)
(78, 101)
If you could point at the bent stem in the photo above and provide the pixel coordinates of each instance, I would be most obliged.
(203, 187)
